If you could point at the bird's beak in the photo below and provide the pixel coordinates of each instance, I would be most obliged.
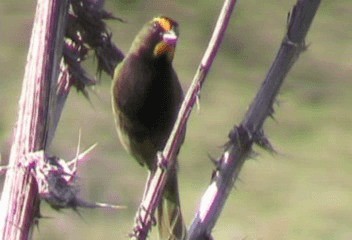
(170, 37)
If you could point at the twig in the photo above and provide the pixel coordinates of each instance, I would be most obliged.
(250, 130)
(166, 159)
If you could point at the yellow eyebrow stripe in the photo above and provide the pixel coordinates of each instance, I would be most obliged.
(164, 23)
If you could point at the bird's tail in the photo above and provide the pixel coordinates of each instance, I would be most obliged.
(169, 216)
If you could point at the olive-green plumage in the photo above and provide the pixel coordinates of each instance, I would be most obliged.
(146, 97)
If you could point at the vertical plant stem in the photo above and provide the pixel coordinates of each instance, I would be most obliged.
(19, 200)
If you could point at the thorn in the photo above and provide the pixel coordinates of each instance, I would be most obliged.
(198, 103)
(288, 20)
(75, 209)
(44, 217)
(3, 169)
(213, 160)
(239, 179)
(271, 111)
(112, 206)
(271, 115)
(198, 98)
(86, 95)
(81, 156)
(74, 168)
(96, 93)
(84, 204)
(253, 155)
(262, 141)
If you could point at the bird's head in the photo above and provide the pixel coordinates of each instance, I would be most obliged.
(157, 39)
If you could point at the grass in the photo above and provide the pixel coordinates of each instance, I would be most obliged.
(303, 192)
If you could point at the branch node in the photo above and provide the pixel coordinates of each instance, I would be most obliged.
(300, 46)
(163, 163)
(140, 228)
(240, 136)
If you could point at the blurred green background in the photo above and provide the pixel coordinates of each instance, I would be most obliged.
(303, 192)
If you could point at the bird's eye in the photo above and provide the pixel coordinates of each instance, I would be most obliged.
(156, 27)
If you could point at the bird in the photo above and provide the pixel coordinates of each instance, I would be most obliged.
(146, 97)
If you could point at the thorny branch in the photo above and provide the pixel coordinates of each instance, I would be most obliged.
(86, 31)
(19, 200)
(53, 66)
(250, 130)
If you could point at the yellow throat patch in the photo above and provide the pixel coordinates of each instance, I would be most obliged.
(163, 48)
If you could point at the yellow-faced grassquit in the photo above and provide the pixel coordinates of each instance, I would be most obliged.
(146, 97)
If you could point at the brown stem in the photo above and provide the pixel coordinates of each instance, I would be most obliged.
(250, 131)
(19, 200)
